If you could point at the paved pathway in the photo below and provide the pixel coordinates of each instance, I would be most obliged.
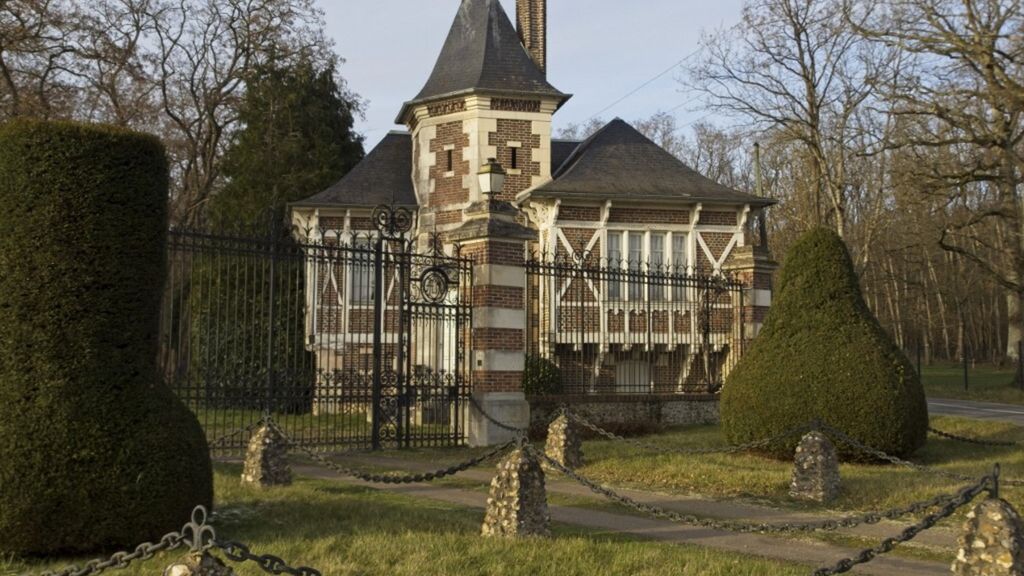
(981, 410)
(703, 507)
(811, 553)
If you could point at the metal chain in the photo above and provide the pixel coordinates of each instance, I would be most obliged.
(726, 525)
(691, 451)
(846, 439)
(476, 406)
(967, 440)
(392, 478)
(238, 552)
(197, 535)
(223, 439)
(964, 497)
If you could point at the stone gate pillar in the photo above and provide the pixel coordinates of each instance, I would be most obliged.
(496, 242)
(753, 266)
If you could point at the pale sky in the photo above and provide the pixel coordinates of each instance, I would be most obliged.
(598, 50)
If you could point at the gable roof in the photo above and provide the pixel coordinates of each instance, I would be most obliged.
(483, 53)
(620, 162)
(383, 177)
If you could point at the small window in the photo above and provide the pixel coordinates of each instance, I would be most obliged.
(679, 266)
(361, 273)
(451, 161)
(614, 263)
(636, 258)
(657, 266)
(515, 158)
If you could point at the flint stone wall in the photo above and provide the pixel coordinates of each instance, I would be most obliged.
(266, 460)
(627, 413)
(563, 443)
(815, 469)
(990, 543)
(518, 504)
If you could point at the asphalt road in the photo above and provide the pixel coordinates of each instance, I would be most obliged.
(980, 410)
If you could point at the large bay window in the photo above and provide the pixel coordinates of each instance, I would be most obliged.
(646, 262)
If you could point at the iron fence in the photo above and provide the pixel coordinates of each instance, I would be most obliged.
(626, 327)
(352, 340)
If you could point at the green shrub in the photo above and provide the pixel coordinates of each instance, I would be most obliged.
(541, 377)
(95, 452)
(821, 353)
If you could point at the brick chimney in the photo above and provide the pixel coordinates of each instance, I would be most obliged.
(532, 18)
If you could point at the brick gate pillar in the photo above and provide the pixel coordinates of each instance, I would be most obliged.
(753, 266)
(496, 242)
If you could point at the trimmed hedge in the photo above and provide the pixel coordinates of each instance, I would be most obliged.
(95, 452)
(821, 353)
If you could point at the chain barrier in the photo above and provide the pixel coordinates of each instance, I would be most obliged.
(967, 440)
(220, 441)
(846, 439)
(476, 406)
(238, 552)
(199, 536)
(730, 526)
(393, 478)
(733, 449)
(964, 497)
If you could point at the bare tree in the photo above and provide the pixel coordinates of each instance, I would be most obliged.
(795, 67)
(963, 110)
(34, 41)
(204, 50)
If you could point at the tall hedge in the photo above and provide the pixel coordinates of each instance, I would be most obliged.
(95, 452)
(822, 354)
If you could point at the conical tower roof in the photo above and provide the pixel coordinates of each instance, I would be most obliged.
(483, 54)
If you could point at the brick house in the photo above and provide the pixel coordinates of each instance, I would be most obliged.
(586, 256)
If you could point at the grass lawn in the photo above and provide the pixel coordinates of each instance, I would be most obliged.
(346, 530)
(755, 478)
(985, 383)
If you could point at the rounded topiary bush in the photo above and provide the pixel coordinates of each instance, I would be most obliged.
(95, 452)
(822, 354)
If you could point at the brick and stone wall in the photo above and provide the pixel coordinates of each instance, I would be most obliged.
(526, 145)
(449, 186)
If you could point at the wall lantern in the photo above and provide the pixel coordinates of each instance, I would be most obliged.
(492, 177)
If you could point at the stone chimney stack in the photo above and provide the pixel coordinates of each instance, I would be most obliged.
(532, 17)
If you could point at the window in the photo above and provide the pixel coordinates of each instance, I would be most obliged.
(649, 262)
(515, 158)
(679, 265)
(632, 376)
(451, 161)
(361, 280)
(657, 267)
(636, 257)
(614, 263)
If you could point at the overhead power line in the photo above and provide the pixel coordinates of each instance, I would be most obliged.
(644, 85)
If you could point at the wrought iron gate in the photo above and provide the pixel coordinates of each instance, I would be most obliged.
(351, 340)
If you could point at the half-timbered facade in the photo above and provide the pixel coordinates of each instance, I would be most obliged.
(599, 277)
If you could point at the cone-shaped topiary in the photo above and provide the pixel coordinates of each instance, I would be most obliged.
(822, 354)
(95, 452)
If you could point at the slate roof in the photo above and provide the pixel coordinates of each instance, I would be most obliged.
(560, 152)
(620, 162)
(383, 177)
(483, 53)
